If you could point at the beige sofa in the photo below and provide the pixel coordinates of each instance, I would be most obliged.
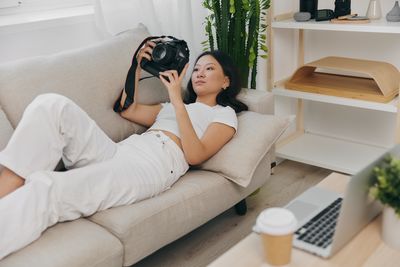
(93, 77)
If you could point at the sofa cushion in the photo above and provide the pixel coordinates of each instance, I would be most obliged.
(6, 130)
(77, 243)
(93, 77)
(150, 224)
(238, 159)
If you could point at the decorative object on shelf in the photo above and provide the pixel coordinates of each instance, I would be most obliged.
(324, 14)
(238, 28)
(394, 14)
(374, 9)
(351, 19)
(386, 189)
(309, 6)
(342, 8)
(302, 16)
(381, 86)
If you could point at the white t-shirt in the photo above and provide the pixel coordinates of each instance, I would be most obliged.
(201, 115)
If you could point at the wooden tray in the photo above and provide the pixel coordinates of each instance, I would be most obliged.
(348, 21)
(382, 84)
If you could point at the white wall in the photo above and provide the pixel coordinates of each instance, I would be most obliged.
(41, 38)
(362, 125)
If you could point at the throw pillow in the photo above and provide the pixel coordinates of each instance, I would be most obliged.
(238, 159)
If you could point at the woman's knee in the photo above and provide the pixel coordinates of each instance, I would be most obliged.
(49, 105)
(50, 100)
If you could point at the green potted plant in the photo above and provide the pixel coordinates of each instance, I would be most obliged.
(386, 188)
(238, 28)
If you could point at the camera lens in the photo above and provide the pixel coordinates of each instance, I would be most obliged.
(163, 53)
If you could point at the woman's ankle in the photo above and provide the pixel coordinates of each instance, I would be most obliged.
(9, 182)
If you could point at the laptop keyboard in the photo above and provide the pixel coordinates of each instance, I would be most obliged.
(320, 229)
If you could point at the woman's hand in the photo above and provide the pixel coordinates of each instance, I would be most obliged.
(145, 52)
(174, 84)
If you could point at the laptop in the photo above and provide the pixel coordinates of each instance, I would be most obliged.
(328, 220)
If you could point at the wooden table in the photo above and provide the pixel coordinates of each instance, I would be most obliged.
(366, 249)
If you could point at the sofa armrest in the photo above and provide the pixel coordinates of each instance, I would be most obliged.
(257, 100)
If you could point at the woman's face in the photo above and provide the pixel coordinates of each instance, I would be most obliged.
(208, 76)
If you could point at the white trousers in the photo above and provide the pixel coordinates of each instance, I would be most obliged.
(101, 174)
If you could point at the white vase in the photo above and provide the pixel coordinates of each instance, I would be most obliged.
(374, 10)
(391, 228)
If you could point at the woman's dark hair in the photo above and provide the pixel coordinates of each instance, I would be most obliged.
(226, 97)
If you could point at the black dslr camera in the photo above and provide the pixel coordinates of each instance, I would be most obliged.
(170, 54)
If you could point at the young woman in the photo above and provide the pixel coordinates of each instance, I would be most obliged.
(103, 174)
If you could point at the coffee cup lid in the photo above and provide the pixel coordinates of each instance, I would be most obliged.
(276, 221)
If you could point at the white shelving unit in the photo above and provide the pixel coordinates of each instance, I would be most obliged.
(386, 107)
(374, 26)
(328, 152)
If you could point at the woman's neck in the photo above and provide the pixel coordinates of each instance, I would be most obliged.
(207, 100)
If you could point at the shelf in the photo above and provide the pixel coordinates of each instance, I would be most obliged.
(330, 153)
(334, 152)
(377, 26)
(386, 107)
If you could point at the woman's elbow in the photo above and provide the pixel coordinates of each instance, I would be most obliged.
(125, 114)
(194, 160)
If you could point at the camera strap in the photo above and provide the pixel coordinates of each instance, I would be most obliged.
(131, 77)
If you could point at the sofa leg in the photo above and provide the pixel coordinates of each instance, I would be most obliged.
(273, 165)
(241, 208)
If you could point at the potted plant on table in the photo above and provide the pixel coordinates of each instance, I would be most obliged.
(386, 189)
(238, 28)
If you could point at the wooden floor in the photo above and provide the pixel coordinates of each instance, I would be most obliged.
(206, 243)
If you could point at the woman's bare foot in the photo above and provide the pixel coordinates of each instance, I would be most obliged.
(9, 181)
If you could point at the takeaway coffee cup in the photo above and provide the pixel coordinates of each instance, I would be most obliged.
(276, 227)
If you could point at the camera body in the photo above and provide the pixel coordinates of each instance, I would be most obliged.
(170, 54)
(342, 7)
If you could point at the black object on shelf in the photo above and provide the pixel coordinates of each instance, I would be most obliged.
(310, 6)
(324, 14)
(342, 8)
